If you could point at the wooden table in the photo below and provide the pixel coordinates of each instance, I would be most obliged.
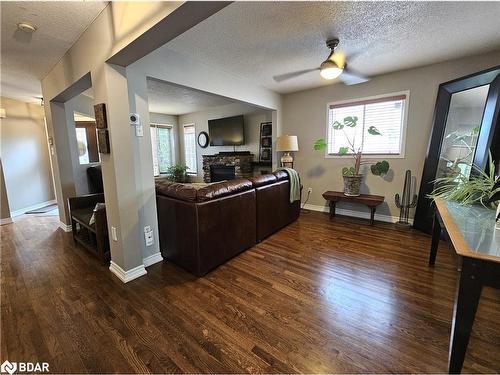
(471, 230)
(372, 201)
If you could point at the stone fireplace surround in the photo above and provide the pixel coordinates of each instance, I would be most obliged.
(242, 164)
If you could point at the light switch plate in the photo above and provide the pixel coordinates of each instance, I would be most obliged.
(113, 234)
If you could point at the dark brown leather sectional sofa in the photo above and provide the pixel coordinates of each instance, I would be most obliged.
(203, 228)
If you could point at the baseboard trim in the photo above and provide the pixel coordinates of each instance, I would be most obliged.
(30, 208)
(7, 220)
(65, 227)
(352, 213)
(126, 276)
(152, 259)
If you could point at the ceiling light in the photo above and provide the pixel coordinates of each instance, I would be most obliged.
(26, 27)
(330, 70)
(3, 114)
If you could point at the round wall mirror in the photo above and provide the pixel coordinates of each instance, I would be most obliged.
(203, 139)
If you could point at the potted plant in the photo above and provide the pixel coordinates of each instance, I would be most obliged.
(177, 173)
(351, 175)
(482, 188)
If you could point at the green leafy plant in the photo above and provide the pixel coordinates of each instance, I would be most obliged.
(378, 169)
(177, 173)
(482, 187)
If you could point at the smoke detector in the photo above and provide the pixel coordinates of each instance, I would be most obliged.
(26, 27)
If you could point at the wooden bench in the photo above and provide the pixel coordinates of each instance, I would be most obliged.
(93, 237)
(372, 201)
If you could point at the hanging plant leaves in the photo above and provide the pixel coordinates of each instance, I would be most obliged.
(320, 144)
(373, 131)
(380, 168)
(351, 121)
(343, 150)
(337, 125)
(349, 172)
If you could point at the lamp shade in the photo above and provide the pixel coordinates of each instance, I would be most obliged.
(287, 143)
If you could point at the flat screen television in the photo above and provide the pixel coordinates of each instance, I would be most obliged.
(227, 131)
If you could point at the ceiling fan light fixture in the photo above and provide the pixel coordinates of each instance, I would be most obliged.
(27, 27)
(330, 70)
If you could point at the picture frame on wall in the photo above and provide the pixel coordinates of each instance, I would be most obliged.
(266, 129)
(101, 119)
(103, 141)
(265, 155)
(265, 142)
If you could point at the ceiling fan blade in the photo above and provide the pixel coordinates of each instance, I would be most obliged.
(351, 77)
(284, 77)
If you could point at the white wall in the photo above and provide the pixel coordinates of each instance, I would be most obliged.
(253, 116)
(304, 115)
(24, 154)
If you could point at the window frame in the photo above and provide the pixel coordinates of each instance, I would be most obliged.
(195, 173)
(172, 143)
(353, 101)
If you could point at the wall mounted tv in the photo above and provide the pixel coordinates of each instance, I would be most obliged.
(227, 131)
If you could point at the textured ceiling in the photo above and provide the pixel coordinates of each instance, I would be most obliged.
(258, 40)
(27, 58)
(171, 99)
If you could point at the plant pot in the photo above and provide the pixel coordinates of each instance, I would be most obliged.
(352, 185)
(497, 218)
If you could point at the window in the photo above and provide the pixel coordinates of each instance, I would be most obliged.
(190, 148)
(162, 146)
(387, 114)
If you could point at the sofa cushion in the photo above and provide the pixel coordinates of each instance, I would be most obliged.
(281, 175)
(176, 190)
(222, 189)
(264, 179)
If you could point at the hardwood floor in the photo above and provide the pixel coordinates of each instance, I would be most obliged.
(319, 296)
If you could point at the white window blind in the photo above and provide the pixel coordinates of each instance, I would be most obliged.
(190, 148)
(386, 114)
(162, 146)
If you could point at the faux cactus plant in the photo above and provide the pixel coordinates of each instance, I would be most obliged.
(404, 203)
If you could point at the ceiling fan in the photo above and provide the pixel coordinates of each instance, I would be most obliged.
(334, 66)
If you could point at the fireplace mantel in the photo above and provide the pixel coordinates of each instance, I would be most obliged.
(242, 164)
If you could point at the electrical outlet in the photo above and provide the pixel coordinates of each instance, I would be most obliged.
(310, 190)
(113, 234)
(148, 235)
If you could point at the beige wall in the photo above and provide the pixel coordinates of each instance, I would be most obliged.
(127, 170)
(304, 115)
(252, 117)
(25, 156)
(118, 25)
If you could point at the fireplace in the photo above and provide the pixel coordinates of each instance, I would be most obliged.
(222, 172)
(236, 165)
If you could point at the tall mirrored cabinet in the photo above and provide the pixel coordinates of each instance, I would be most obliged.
(465, 130)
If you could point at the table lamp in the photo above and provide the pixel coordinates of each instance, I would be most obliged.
(287, 144)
